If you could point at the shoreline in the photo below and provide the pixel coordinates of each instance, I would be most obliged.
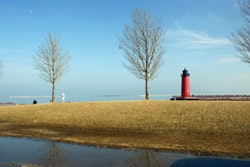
(200, 128)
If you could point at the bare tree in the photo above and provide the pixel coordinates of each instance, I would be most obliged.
(51, 61)
(142, 44)
(241, 36)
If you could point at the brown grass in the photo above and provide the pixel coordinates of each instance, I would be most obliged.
(201, 127)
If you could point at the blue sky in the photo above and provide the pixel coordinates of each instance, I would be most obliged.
(196, 38)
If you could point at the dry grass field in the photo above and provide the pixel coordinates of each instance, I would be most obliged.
(199, 127)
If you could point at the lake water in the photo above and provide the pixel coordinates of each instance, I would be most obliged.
(21, 152)
(75, 98)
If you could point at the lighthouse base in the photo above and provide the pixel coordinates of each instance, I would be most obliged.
(184, 98)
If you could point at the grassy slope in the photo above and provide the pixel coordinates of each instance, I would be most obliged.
(206, 127)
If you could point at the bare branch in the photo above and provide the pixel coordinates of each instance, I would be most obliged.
(245, 9)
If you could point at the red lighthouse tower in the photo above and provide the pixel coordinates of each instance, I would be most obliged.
(185, 86)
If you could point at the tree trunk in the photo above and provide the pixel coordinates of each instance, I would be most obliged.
(53, 92)
(146, 89)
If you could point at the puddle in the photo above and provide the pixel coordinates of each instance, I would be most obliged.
(22, 152)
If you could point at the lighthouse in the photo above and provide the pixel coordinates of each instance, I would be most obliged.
(185, 86)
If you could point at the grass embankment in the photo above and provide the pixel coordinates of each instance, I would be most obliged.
(202, 127)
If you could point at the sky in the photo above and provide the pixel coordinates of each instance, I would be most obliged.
(196, 38)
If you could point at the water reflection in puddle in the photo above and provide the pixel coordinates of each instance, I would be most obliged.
(21, 152)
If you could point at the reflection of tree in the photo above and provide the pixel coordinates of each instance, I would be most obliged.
(146, 158)
(52, 155)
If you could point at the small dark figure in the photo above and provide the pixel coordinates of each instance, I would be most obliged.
(34, 101)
